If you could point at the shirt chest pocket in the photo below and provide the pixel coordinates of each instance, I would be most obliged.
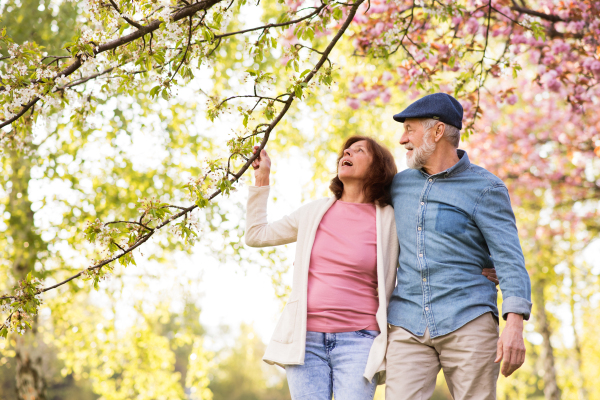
(451, 220)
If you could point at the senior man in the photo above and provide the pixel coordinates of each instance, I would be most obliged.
(453, 219)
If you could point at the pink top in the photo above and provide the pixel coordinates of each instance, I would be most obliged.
(342, 276)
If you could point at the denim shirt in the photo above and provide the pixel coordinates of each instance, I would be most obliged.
(450, 226)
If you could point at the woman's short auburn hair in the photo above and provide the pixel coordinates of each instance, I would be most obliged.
(379, 178)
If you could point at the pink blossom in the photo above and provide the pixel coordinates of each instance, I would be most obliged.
(378, 29)
(472, 26)
(548, 59)
(575, 26)
(284, 60)
(353, 103)
(457, 20)
(369, 95)
(550, 80)
(386, 95)
(559, 47)
(322, 32)
(519, 39)
(595, 68)
(360, 18)
(386, 76)
(378, 8)
(414, 94)
(355, 85)
(587, 63)
(466, 105)
(512, 99)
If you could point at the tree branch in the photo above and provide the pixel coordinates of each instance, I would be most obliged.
(113, 44)
(266, 134)
(547, 17)
(268, 26)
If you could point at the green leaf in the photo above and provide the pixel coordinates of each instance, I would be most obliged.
(154, 91)
(515, 70)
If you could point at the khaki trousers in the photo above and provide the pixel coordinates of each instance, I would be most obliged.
(465, 355)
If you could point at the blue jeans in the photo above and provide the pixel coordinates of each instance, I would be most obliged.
(333, 365)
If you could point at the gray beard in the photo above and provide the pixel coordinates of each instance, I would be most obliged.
(422, 153)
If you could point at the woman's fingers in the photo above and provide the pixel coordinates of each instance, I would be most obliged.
(263, 159)
(490, 273)
(263, 154)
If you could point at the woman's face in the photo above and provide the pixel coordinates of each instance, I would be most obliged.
(355, 163)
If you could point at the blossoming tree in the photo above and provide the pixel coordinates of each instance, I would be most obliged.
(495, 56)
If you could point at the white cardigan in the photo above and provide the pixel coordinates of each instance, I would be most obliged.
(288, 342)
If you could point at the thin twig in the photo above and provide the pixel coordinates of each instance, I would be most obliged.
(129, 21)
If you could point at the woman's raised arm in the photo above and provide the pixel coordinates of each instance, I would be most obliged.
(259, 233)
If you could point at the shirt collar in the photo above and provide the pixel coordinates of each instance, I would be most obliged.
(462, 164)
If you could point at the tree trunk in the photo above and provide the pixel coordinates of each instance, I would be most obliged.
(30, 377)
(551, 390)
(582, 392)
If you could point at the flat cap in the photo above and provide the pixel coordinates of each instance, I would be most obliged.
(440, 106)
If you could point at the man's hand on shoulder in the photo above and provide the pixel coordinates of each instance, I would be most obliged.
(511, 346)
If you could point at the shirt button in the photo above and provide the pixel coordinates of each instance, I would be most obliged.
(431, 180)
(424, 279)
(421, 255)
(422, 203)
(419, 228)
(426, 308)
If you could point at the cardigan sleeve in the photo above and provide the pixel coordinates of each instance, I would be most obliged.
(260, 233)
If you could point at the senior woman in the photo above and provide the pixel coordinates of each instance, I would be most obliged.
(331, 337)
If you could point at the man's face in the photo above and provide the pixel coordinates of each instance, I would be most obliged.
(420, 144)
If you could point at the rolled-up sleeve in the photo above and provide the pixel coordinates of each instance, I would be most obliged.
(495, 219)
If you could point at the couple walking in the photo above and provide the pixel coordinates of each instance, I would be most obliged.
(394, 276)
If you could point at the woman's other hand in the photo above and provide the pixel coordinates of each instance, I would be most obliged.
(262, 168)
(490, 273)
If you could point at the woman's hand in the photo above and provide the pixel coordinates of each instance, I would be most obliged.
(262, 168)
(490, 273)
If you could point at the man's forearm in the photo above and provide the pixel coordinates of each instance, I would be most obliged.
(515, 320)
(511, 346)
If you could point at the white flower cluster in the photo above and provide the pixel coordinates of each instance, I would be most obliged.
(20, 98)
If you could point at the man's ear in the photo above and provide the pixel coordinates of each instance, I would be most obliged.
(439, 131)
